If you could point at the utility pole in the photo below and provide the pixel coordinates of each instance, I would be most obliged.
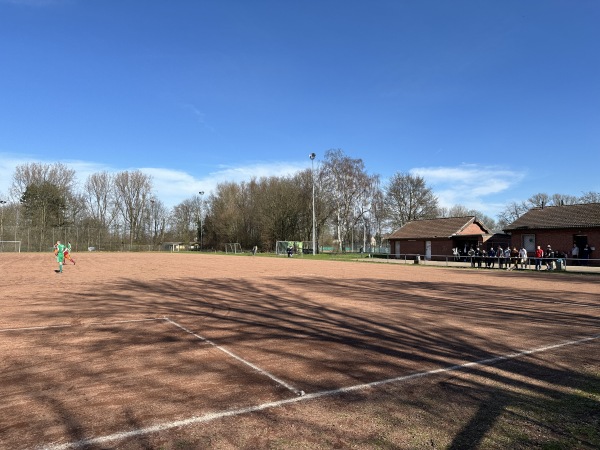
(312, 157)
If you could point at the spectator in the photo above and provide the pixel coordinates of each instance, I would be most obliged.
(507, 257)
(586, 253)
(491, 258)
(575, 253)
(523, 258)
(471, 255)
(560, 260)
(539, 254)
(514, 259)
(549, 258)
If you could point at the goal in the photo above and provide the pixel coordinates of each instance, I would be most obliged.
(281, 247)
(10, 246)
(233, 247)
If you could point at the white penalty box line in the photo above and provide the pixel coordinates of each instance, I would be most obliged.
(311, 396)
(238, 358)
(245, 362)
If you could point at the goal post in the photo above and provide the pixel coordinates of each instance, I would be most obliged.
(233, 247)
(282, 247)
(10, 246)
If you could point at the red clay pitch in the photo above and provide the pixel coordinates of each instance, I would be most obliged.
(123, 342)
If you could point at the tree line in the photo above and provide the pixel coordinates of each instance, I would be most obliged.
(352, 208)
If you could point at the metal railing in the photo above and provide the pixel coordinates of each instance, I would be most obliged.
(560, 263)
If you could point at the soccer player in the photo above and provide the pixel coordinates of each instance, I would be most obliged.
(59, 251)
(67, 253)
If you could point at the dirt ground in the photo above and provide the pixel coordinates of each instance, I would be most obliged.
(182, 351)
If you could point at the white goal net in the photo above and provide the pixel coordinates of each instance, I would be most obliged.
(10, 246)
(233, 247)
(289, 248)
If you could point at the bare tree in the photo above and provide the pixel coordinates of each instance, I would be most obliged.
(279, 210)
(56, 174)
(100, 196)
(539, 200)
(184, 217)
(590, 197)
(45, 192)
(346, 184)
(133, 190)
(408, 198)
(462, 211)
(157, 220)
(511, 212)
(379, 214)
(223, 221)
(563, 199)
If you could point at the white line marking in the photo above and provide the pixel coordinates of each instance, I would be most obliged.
(70, 325)
(240, 359)
(235, 412)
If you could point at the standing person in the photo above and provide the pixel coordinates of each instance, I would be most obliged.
(549, 258)
(491, 257)
(560, 259)
(514, 259)
(482, 257)
(523, 258)
(59, 251)
(471, 254)
(507, 257)
(500, 256)
(479, 256)
(539, 254)
(585, 255)
(456, 254)
(575, 253)
(67, 253)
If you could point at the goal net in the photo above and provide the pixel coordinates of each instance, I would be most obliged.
(233, 247)
(283, 247)
(10, 246)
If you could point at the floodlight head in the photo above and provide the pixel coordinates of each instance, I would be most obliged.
(201, 192)
(312, 155)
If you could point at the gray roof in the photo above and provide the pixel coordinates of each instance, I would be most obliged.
(569, 216)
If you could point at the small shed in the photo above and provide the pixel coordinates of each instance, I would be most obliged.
(434, 237)
(173, 246)
(561, 227)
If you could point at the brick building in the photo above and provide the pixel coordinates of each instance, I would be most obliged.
(438, 237)
(558, 226)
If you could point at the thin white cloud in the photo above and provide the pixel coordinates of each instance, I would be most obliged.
(170, 186)
(199, 115)
(174, 186)
(470, 185)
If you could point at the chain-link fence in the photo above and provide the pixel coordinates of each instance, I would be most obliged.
(37, 239)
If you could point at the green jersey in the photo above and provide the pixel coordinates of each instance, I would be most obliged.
(60, 252)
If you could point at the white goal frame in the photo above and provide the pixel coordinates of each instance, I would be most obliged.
(282, 246)
(233, 247)
(6, 244)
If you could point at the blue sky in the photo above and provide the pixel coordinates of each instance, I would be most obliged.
(490, 101)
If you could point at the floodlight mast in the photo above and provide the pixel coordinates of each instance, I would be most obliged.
(201, 204)
(2, 203)
(312, 157)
